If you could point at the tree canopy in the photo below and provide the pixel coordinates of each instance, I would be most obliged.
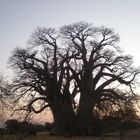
(75, 60)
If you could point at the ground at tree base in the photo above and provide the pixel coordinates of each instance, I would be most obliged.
(135, 135)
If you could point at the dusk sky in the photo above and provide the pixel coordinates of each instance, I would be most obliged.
(18, 19)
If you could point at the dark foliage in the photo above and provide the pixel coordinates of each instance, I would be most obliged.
(15, 127)
(2, 130)
(49, 126)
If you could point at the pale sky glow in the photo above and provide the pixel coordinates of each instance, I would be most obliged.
(18, 19)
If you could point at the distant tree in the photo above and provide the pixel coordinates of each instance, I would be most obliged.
(4, 94)
(77, 59)
(2, 90)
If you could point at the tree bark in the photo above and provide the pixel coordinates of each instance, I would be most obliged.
(86, 104)
(85, 114)
(63, 114)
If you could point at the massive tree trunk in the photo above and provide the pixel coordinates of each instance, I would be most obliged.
(63, 117)
(63, 114)
(86, 103)
(85, 113)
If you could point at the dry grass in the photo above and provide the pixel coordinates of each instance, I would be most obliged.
(129, 136)
(57, 138)
(84, 138)
(45, 137)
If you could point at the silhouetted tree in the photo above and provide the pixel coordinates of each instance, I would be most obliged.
(42, 77)
(4, 94)
(77, 59)
(2, 90)
(102, 68)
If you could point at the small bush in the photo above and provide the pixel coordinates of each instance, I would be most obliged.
(14, 127)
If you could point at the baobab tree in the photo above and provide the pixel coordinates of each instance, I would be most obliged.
(78, 59)
(102, 65)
